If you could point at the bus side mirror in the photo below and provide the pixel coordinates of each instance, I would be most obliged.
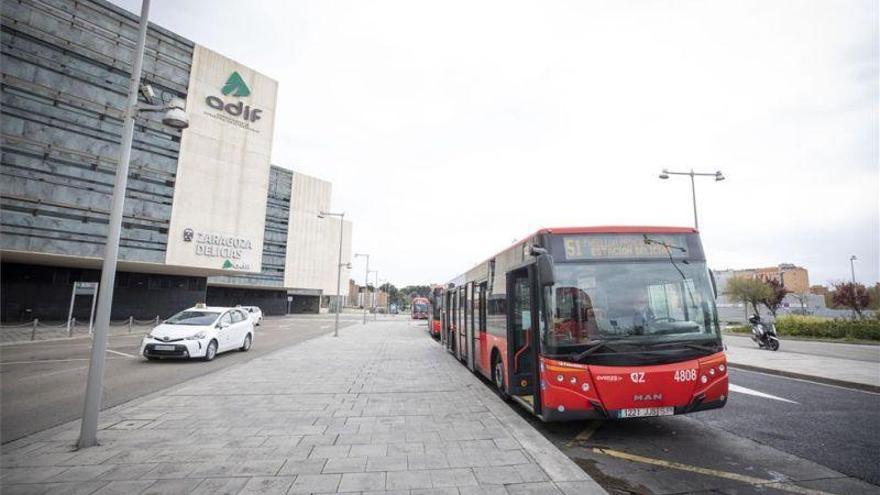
(546, 271)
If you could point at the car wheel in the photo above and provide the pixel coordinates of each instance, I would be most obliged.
(211, 351)
(246, 346)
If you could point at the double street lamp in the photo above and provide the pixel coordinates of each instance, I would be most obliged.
(366, 281)
(852, 268)
(339, 265)
(175, 117)
(717, 175)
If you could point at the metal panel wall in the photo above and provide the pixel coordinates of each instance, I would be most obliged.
(65, 74)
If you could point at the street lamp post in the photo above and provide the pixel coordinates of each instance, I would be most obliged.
(366, 281)
(718, 177)
(175, 117)
(376, 300)
(339, 264)
(852, 268)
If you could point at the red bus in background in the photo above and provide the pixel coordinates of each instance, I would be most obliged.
(436, 298)
(593, 322)
(420, 308)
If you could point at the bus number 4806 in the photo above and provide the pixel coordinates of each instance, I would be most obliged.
(685, 375)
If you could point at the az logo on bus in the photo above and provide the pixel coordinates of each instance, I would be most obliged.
(637, 377)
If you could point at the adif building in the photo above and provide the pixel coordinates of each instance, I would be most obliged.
(207, 217)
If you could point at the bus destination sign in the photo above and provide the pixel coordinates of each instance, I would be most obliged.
(625, 246)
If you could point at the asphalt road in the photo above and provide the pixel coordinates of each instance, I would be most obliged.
(42, 383)
(817, 437)
(857, 352)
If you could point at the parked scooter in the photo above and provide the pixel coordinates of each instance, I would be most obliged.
(764, 334)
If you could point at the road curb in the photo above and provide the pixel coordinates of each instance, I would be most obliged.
(801, 376)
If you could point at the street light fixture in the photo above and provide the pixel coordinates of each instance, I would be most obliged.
(853, 268)
(366, 281)
(339, 266)
(664, 174)
(175, 117)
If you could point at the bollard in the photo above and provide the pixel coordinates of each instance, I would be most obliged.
(157, 320)
(130, 318)
(72, 324)
(34, 330)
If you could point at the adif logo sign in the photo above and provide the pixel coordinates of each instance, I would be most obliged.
(235, 87)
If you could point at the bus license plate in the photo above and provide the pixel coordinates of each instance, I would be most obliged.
(164, 347)
(646, 412)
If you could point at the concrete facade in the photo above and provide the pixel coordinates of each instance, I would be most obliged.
(203, 203)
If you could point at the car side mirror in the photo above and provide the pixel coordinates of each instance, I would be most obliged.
(223, 325)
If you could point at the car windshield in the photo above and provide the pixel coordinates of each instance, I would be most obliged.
(190, 317)
(633, 302)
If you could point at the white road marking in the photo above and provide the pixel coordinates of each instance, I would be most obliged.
(849, 389)
(39, 361)
(748, 391)
(122, 353)
(43, 375)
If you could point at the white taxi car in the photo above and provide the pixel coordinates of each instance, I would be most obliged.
(255, 313)
(200, 332)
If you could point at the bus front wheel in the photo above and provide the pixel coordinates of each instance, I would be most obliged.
(498, 377)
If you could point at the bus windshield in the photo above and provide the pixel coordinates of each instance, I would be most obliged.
(420, 308)
(635, 302)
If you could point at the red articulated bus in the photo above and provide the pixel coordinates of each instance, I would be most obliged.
(419, 308)
(436, 298)
(593, 322)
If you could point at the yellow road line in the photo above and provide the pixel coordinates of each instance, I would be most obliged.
(785, 486)
(587, 433)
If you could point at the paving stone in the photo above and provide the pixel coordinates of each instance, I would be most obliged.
(426, 461)
(545, 488)
(268, 485)
(171, 487)
(129, 487)
(309, 466)
(329, 451)
(404, 480)
(167, 470)
(359, 482)
(123, 472)
(368, 450)
(452, 477)
(345, 465)
(13, 476)
(497, 475)
(435, 491)
(220, 486)
(386, 463)
(316, 483)
(81, 473)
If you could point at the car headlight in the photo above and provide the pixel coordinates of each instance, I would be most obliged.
(149, 336)
(197, 336)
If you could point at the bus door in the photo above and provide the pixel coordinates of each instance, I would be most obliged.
(522, 337)
(480, 341)
(471, 305)
(461, 343)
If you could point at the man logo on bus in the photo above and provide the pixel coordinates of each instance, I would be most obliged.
(640, 397)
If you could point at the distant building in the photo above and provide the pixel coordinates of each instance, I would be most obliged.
(794, 278)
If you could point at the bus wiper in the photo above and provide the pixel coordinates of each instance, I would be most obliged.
(594, 346)
(689, 345)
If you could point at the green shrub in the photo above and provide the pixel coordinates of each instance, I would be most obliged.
(838, 328)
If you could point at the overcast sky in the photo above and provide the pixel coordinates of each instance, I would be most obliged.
(450, 128)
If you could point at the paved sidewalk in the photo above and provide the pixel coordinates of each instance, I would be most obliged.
(381, 409)
(831, 368)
